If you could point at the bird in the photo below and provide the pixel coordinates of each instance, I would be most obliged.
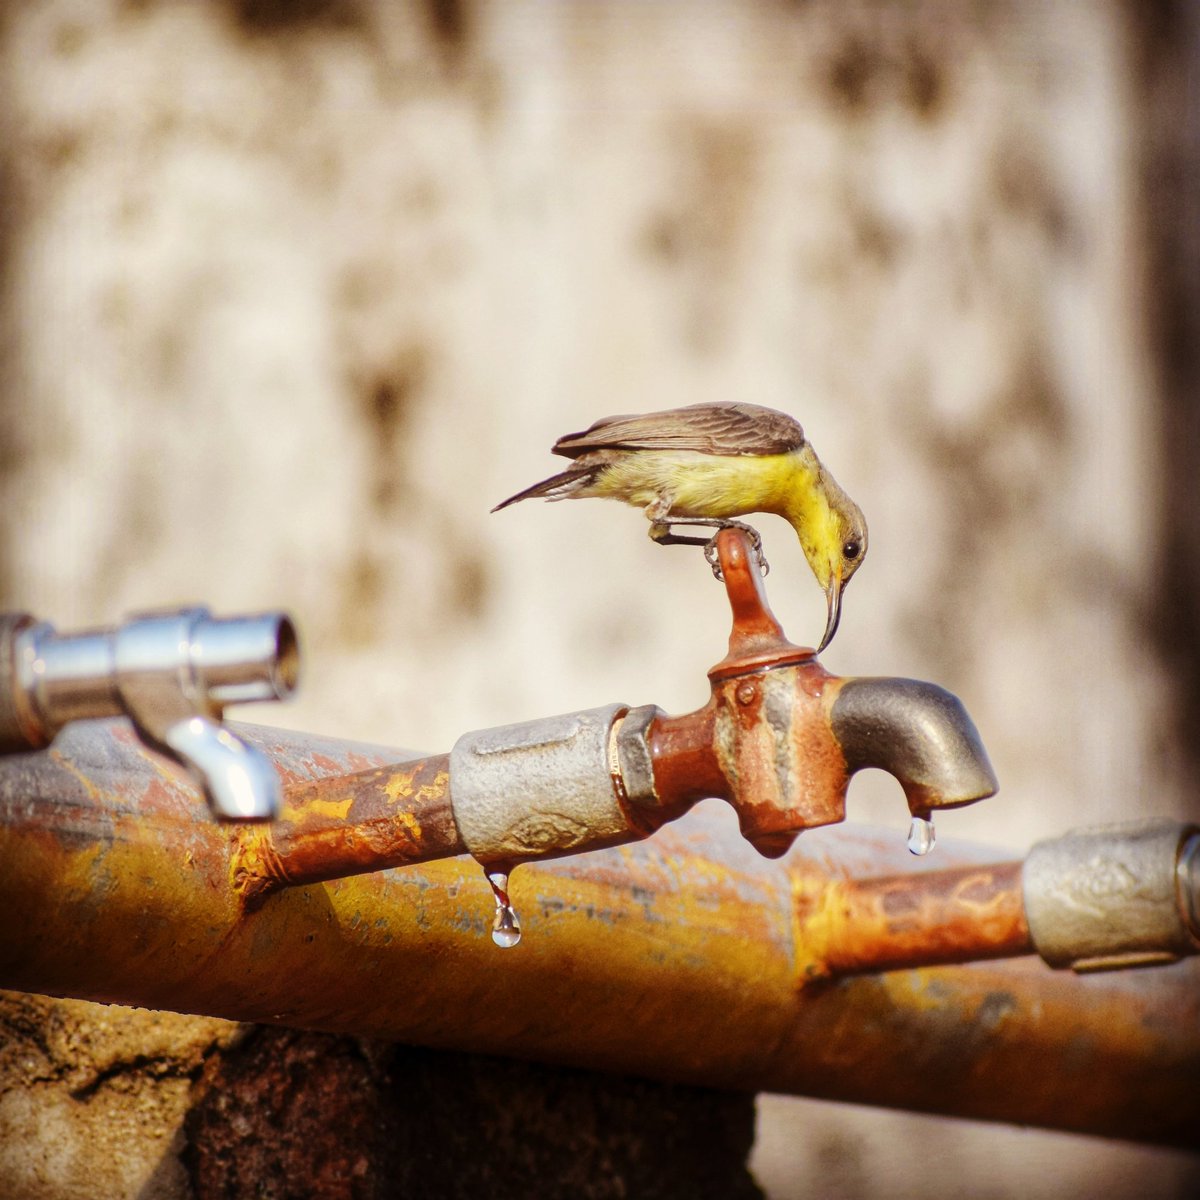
(707, 464)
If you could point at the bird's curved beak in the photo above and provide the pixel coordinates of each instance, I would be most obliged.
(833, 598)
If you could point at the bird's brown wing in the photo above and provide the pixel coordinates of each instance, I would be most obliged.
(723, 428)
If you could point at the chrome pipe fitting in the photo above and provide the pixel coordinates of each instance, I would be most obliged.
(172, 673)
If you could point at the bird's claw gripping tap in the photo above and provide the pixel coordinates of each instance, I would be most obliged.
(713, 557)
(660, 532)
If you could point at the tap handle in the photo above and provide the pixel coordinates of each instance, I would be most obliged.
(756, 639)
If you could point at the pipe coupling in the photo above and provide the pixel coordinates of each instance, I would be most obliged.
(1115, 896)
(549, 787)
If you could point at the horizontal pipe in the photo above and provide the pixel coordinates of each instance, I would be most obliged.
(681, 957)
(349, 824)
(955, 915)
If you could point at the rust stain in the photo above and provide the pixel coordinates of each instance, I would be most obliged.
(408, 826)
(350, 824)
(948, 916)
(325, 765)
(79, 869)
(423, 781)
(336, 810)
(159, 796)
(89, 786)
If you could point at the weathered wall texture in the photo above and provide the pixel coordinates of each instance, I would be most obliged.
(293, 292)
(110, 1102)
(93, 1098)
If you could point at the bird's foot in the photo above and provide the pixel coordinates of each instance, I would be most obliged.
(660, 531)
(713, 558)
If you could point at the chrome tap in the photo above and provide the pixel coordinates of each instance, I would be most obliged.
(172, 673)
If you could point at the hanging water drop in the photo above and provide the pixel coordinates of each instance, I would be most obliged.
(506, 927)
(921, 836)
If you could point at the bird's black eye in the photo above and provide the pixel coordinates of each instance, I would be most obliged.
(851, 550)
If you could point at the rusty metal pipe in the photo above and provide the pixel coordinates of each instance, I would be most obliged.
(679, 957)
(369, 820)
(1106, 898)
(964, 914)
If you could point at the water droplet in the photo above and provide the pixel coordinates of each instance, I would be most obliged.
(506, 927)
(921, 836)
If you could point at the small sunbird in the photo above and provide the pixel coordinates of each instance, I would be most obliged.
(707, 464)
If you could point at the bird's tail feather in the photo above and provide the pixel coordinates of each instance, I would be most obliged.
(557, 487)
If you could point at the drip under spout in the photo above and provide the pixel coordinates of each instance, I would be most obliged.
(918, 732)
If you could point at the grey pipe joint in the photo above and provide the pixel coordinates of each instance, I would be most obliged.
(544, 788)
(1115, 896)
(172, 674)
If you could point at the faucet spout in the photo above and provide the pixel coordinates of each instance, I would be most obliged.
(238, 781)
(918, 732)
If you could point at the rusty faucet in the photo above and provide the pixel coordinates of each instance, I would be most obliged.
(237, 920)
(779, 739)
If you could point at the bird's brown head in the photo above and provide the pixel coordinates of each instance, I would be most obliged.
(833, 535)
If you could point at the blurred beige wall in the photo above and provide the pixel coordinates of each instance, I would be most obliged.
(294, 293)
